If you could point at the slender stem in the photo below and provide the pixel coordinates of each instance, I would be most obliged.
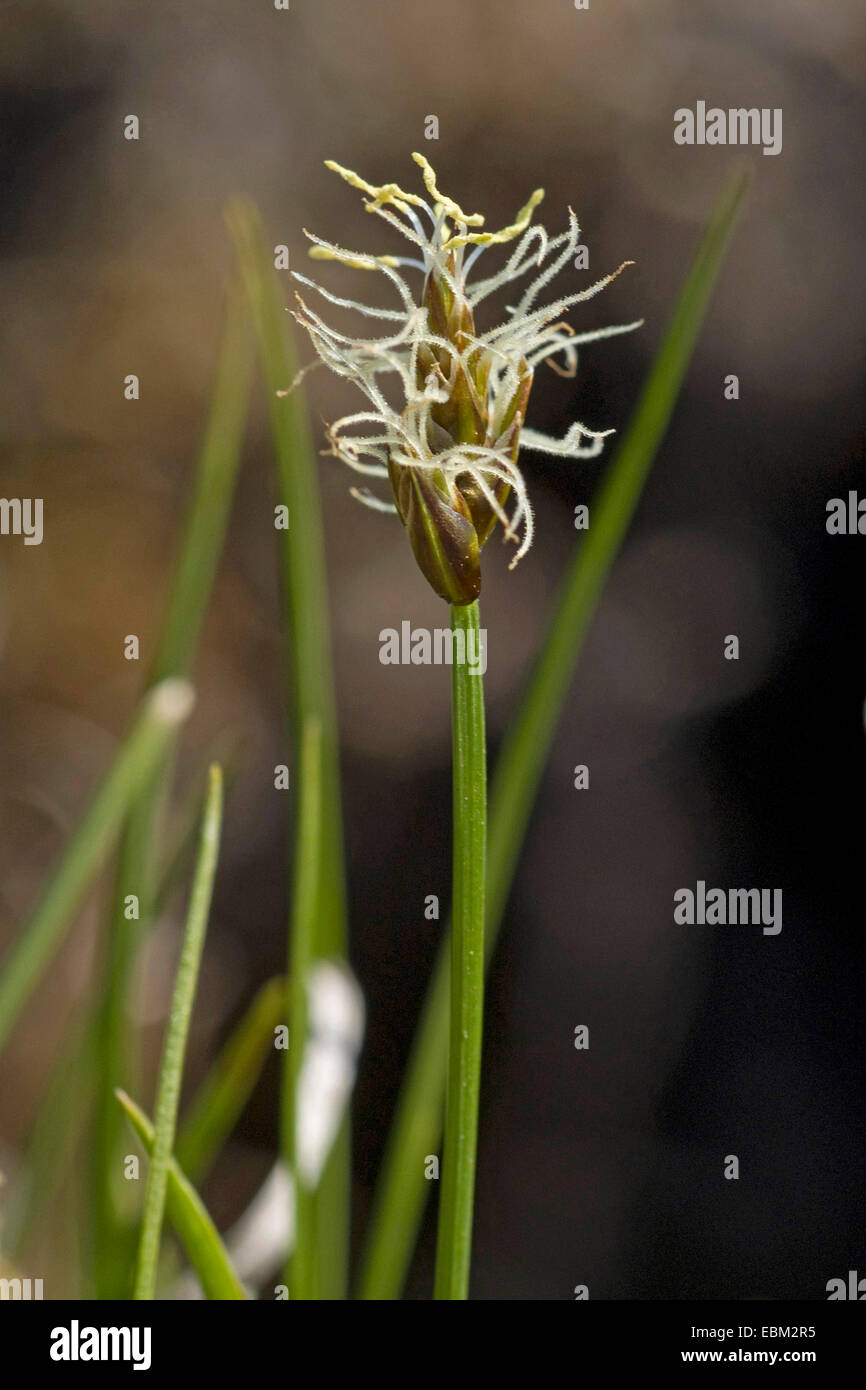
(302, 1271)
(308, 649)
(171, 1068)
(457, 1196)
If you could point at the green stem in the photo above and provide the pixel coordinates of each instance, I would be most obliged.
(457, 1196)
(302, 1274)
(305, 593)
(171, 1068)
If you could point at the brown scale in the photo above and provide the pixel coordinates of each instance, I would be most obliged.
(448, 523)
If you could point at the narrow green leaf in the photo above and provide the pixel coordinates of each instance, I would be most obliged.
(308, 651)
(190, 1218)
(160, 714)
(225, 1091)
(183, 831)
(63, 1115)
(174, 1050)
(137, 863)
(417, 1124)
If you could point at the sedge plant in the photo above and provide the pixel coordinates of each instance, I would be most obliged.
(443, 424)
(443, 429)
(417, 1124)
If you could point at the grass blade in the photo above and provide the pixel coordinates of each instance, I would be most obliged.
(174, 1051)
(215, 1110)
(457, 1197)
(160, 714)
(188, 598)
(190, 1218)
(63, 1115)
(184, 828)
(417, 1124)
(304, 582)
(302, 555)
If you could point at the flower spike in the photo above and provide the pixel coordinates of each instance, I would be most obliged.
(449, 447)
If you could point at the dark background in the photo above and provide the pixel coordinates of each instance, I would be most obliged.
(602, 1167)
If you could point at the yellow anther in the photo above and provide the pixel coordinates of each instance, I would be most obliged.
(454, 210)
(520, 223)
(387, 193)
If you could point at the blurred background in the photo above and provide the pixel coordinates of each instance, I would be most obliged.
(604, 1167)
